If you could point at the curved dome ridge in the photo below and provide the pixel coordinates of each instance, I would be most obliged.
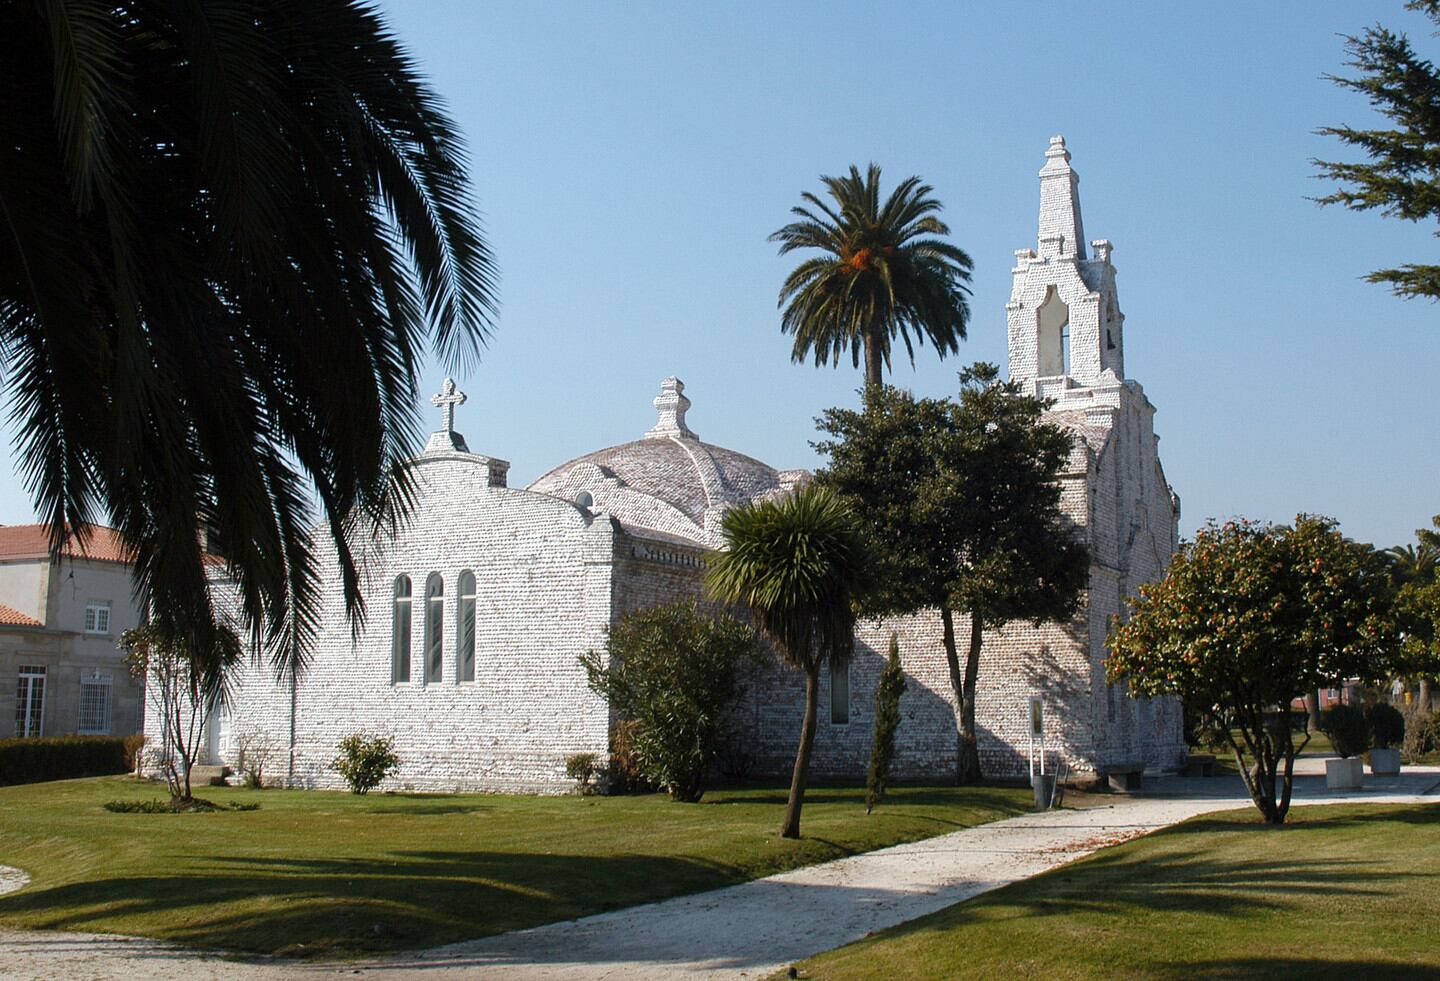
(711, 480)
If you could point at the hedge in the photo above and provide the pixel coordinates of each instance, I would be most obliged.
(65, 757)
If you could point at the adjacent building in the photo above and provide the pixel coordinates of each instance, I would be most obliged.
(60, 624)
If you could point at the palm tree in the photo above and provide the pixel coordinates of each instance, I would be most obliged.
(227, 233)
(881, 273)
(797, 563)
(1414, 569)
(1411, 564)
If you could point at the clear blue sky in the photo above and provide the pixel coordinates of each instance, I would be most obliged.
(630, 160)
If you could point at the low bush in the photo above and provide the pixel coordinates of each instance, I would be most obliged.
(195, 805)
(364, 761)
(624, 773)
(1422, 734)
(64, 758)
(583, 768)
(133, 745)
(1387, 726)
(254, 753)
(674, 671)
(1348, 731)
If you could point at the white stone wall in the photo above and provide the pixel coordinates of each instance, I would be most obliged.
(543, 597)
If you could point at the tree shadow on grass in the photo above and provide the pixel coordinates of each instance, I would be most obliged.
(1112, 887)
(977, 797)
(431, 809)
(1242, 969)
(330, 907)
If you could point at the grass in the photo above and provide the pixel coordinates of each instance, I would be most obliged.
(1342, 892)
(1319, 745)
(319, 873)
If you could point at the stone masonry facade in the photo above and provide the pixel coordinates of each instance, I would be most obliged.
(629, 527)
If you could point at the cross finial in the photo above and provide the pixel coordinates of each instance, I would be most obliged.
(449, 397)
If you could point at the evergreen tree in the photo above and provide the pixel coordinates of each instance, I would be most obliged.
(1247, 618)
(1402, 177)
(960, 501)
(887, 719)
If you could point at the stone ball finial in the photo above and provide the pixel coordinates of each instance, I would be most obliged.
(672, 405)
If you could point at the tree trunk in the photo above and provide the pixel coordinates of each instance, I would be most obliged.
(970, 746)
(1423, 699)
(874, 363)
(1312, 710)
(791, 827)
(967, 752)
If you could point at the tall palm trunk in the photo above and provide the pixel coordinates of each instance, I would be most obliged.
(967, 747)
(791, 827)
(1425, 695)
(874, 363)
(1312, 710)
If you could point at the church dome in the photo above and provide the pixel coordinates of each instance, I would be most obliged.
(669, 481)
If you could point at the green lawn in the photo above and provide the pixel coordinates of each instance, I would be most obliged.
(1343, 892)
(315, 873)
(1319, 745)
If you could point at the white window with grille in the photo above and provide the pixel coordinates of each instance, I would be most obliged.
(30, 701)
(95, 705)
(97, 617)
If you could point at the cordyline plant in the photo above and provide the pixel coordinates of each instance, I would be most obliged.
(1249, 617)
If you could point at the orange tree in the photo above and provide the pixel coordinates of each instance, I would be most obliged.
(1248, 617)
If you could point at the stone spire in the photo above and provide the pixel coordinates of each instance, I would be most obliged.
(672, 404)
(446, 438)
(1062, 233)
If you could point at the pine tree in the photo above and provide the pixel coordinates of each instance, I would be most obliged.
(1402, 177)
(887, 719)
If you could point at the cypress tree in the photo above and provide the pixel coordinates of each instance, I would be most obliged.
(887, 720)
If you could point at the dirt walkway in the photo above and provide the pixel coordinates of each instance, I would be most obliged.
(745, 931)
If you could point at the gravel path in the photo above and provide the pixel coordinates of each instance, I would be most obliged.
(745, 931)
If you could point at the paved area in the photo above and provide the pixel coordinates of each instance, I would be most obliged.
(745, 931)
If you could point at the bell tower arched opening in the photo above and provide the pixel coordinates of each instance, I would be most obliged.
(1052, 323)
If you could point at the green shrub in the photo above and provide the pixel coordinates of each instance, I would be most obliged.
(191, 806)
(1387, 726)
(624, 772)
(133, 745)
(582, 768)
(1348, 731)
(364, 761)
(63, 758)
(1422, 734)
(887, 719)
(673, 671)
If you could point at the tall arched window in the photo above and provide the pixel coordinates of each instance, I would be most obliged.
(839, 691)
(465, 628)
(434, 627)
(400, 632)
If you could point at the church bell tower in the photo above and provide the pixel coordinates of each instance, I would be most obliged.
(1065, 324)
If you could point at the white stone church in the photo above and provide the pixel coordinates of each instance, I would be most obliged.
(479, 610)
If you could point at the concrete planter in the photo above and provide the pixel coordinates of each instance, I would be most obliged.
(1385, 762)
(1346, 774)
